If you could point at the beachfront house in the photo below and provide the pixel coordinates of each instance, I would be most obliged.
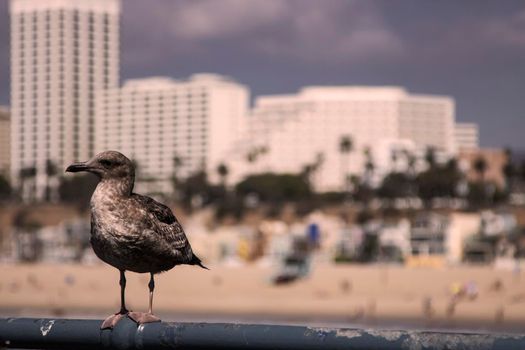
(497, 239)
(438, 239)
(64, 242)
(394, 241)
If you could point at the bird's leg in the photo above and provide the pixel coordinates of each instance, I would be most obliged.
(141, 317)
(122, 283)
(151, 286)
(112, 320)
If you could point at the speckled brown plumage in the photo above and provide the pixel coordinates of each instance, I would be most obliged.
(136, 233)
(129, 231)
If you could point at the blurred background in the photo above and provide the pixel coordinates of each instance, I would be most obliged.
(333, 162)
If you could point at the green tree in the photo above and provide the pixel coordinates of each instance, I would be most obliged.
(480, 166)
(51, 173)
(411, 163)
(26, 174)
(439, 181)
(255, 153)
(430, 157)
(195, 191)
(77, 189)
(309, 170)
(394, 157)
(369, 166)
(509, 171)
(275, 188)
(346, 146)
(5, 189)
(223, 171)
(363, 193)
(395, 185)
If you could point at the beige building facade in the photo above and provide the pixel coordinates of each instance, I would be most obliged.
(171, 127)
(385, 125)
(62, 53)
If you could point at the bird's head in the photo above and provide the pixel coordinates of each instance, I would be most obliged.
(106, 165)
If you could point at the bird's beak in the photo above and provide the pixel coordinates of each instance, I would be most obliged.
(76, 167)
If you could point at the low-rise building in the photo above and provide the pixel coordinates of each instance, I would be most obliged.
(438, 239)
(394, 240)
(494, 161)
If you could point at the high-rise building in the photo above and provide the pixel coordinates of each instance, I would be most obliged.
(385, 126)
(5, 148)
(172, 127)
(466, 136)
(62, 53)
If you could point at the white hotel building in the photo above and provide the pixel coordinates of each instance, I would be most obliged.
(62, 53)
(300, 129)
(155, 120)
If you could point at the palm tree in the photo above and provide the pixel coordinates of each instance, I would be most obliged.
(319, 160)
(223, 171)
(411, 163)
(394, 158)
(25, 174)
(177, 163)
(480, 166)
(310, 170)
(5, 188)
(51, 172)
(346, 146)
(369, 168)
(509, 170)
(369, 165)
(253, 154)
(430, 157)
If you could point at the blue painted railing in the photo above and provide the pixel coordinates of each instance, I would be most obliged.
(29, 333)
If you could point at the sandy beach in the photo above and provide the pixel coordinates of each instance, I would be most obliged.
(347, 295)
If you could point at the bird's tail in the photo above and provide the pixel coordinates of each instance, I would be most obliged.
(196, 261)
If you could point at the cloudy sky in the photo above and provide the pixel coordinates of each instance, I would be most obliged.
(473, 50)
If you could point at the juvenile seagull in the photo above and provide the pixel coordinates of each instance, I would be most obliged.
(132, 232)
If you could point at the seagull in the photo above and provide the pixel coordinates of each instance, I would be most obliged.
(132, 232)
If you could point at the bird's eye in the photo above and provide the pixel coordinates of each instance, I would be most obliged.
(105, 162)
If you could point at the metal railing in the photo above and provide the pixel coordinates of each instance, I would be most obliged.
(29, 333)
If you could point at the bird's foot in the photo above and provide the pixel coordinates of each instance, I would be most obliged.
(143, 317)
(112, 320)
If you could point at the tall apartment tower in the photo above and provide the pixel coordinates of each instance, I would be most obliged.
(62, 53)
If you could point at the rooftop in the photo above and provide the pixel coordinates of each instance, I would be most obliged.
(110, 6)
(159, 82)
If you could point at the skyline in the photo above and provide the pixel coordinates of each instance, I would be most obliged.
(470, 51)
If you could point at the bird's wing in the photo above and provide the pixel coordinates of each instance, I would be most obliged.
(163, 222)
